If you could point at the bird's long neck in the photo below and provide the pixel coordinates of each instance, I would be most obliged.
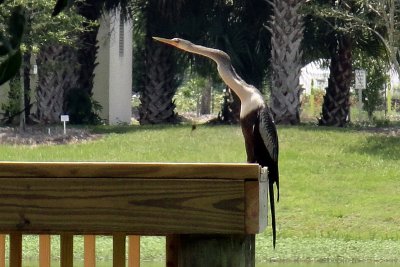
(226, 71)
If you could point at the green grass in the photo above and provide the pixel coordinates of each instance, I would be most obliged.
(340, 188)
(157, 143)
(339, 184)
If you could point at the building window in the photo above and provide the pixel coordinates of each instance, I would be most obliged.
(121, 36)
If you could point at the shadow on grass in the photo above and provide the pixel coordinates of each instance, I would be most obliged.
(123, 129)
(385, 147)
(307, 127)
(378, 144)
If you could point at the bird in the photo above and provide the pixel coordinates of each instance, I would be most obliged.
(256, 119)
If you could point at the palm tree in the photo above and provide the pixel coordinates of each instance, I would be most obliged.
(160, 85)
(91, 11)
(338, 27)
(41, 28)
(10, 52)
(233, 26)
(236, 27)
(160, 78)
(244, 37)
(336, 106)
(286, 28)
(56, 75)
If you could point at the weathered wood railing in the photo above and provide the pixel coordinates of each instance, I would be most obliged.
(203, 209)
(66, 250)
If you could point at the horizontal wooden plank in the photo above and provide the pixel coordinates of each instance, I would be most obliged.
(130, 170)
(132, 206)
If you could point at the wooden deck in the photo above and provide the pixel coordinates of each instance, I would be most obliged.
(122, 199)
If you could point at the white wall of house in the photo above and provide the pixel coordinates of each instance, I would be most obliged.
(319, 76)
(313, 73)
(113, 74)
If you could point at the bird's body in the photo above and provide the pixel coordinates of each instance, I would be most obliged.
(259, 131)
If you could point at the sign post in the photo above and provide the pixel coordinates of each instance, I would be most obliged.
(360, 84)
(64, 119)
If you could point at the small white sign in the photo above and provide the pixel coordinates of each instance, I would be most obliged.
(360, 79)
(64, 118)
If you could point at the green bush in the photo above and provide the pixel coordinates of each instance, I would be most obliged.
(13, 105)
(188, 96)
(81, 108)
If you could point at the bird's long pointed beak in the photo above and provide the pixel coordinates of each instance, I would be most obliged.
(164, 40)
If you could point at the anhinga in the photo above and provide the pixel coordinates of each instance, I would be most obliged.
(258, 127)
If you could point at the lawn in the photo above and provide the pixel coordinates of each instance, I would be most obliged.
(340, 188)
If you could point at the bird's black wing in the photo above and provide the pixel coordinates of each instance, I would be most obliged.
(267, 130)
(268, 133)
(266, 152)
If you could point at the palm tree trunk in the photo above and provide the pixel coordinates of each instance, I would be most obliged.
(56, 75)
(88, 47)
(161, 78)
(286, 30)
(27, 83)
(26, 72)
(160, 85)
(87, 54)
(206, 96)
(336, 106)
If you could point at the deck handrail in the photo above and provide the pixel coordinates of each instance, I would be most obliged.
(128, 199)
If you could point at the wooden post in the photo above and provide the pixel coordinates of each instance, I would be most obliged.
(119, 250)
(134, 251)
(171, 253)
(89, 250)
(216, 250)
(15, 250)
(67, 254)
(44, 250)
(2, 250)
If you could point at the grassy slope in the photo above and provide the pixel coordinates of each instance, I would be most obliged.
(340, 189)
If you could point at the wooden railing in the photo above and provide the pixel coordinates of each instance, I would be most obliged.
(66, 250)
(203, 209)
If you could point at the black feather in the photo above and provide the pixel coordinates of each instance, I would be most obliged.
(266, 152)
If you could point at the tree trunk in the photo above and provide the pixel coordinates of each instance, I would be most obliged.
(56, 75)
(22, 119)
(87, 49)
(160, 85)
(27, 83)
(230, 112)
(336, 106)
(205, 107)
(286, 29)
(26, 72)
(87, 55)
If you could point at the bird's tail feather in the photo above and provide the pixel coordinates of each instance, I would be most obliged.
(272, 203)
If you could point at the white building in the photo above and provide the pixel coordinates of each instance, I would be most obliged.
(113, 75)
(313, 73)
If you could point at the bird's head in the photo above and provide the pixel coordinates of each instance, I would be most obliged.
(176, 42)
